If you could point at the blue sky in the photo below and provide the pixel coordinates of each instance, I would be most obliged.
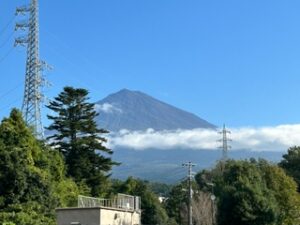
(231, 61)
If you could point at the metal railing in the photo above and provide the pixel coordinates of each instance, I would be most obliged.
(125, 202)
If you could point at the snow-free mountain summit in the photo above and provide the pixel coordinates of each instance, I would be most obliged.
(134, 110)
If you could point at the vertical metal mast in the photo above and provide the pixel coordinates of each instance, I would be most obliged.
(225, 145)
(190, 165)
(33, 80)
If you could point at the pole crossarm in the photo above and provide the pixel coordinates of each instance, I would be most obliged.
(23, 41)
(23, 10)
(21, 26)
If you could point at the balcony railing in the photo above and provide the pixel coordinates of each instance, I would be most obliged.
(122, 201)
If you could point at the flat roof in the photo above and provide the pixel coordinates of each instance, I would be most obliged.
(98, 207)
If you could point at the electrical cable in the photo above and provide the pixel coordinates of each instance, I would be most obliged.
(10, 104)
(6, 55)
(7, 25)
(6, 40)
(174, 176)
(70, 61)
(11, 90)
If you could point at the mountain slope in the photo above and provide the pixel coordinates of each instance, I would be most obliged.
(165, 165)
(134, 110)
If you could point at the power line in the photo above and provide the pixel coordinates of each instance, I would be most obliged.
(175, 175)
(11, 90)
(74, 65)
(7, 25)
(83, 58)
(10, 104)
(6, 55)
(7, 39)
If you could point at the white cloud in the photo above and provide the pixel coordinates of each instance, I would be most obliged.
(107, 108)
(195, 139)
(277, 138)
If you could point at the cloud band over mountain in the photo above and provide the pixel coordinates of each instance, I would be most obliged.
(107, 108)
(277, 138)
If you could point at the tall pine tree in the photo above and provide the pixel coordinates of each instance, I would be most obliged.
(76, 135)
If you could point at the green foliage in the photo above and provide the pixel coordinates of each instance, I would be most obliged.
(283, 189)
(160, 189)
(153, 212)
(244, 196)
(32, 180)
(291, 164)
(27, 214)
(172, 221)
(78, 139)
(176, 201)
(253, 192)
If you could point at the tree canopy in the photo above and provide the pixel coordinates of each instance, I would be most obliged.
(77, 137)
(32, 176)
(254, 192)
(291, 164)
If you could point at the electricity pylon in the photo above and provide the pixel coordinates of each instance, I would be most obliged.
(225, 145)
(31, 107)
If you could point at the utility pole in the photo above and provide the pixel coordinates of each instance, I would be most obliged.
(33, 97)
(212, 198)
(224, 141)
(190, 176)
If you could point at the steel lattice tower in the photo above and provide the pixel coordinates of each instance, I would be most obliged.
(31, 107)
(225, 141)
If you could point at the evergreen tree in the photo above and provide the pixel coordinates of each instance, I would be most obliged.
(32, 176)
(77, 137)
(176, 201)
(284, 189)
(244, 196)
(291, 163)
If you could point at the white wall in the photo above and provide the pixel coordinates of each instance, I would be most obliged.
(97, 216)
(85, 216)
(112, 217)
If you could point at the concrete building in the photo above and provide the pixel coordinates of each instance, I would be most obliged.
(122, 210)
